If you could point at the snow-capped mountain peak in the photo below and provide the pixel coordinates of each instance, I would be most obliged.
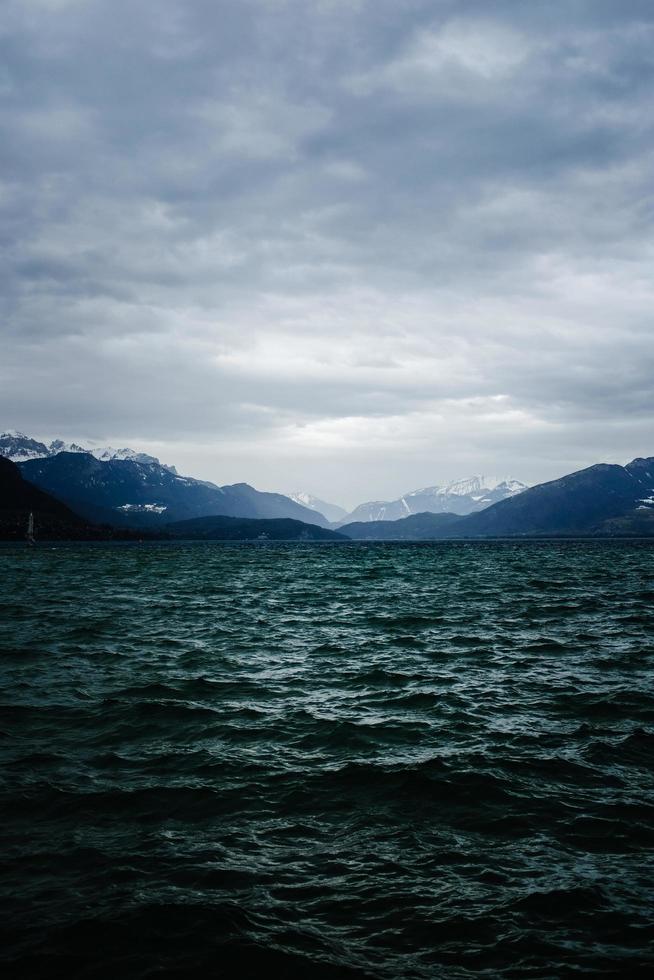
(301, 497)
(332, 512)
(105, 453)
(18, 447)
(461, 497)
(59, 446)
(471, 485)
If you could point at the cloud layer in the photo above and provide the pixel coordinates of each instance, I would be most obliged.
(356, 246)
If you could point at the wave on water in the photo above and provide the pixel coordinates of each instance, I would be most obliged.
(379, 761)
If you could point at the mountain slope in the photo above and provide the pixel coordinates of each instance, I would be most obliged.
(258, 503)
(581, 502)
(128, 492)
(19, 498)
(459, 497)
(18, 494)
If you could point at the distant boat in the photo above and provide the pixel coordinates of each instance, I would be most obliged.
(30, 529)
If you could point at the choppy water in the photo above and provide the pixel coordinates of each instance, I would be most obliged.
(320, 762)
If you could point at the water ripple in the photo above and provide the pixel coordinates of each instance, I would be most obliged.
(370, 761)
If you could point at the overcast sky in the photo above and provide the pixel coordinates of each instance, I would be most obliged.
(349, 246)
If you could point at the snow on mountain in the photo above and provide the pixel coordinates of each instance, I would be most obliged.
(461, 497)
(105, 453)
(472, 485)
(332, 512)
(58, 446)
(18, 447)
(379, 510)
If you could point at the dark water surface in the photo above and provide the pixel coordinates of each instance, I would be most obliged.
(327, 761)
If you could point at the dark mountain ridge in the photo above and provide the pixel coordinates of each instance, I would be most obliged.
(18, 494)
(418, 527)
(581, 502)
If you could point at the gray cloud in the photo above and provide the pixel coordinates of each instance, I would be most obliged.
(350, 246)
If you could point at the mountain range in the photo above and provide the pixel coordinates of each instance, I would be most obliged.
(124, 489)
(605, 500)
(19, 448)
(146, 494)
(53, 520)
(132, 493)
(459, 497)
(131, 489)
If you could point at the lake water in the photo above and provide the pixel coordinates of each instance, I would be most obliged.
(391, 761)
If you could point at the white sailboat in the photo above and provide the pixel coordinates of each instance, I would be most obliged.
(30, 529)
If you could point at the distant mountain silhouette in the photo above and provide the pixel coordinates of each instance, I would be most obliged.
(135, 493)
(243, 529)
(418, 527)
